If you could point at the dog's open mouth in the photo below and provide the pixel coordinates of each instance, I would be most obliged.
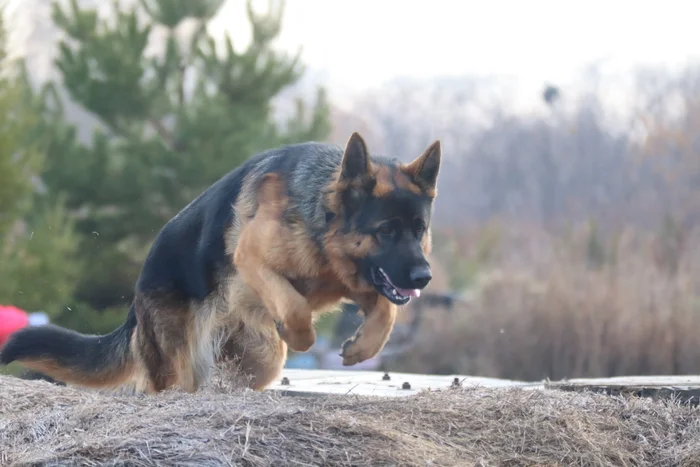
(395, 294)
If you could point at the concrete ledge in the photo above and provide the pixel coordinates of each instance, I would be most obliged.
(375, 383)
(685, 389)
(319, 383)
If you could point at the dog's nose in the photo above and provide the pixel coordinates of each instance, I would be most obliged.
(420, 276)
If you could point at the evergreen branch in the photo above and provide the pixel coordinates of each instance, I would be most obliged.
(165, 135)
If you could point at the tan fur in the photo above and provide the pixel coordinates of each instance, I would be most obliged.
(268, 248)
(417, 165)
(50, 367)
(384, 181)
(426, 243)
(369, 340)
(114, 376)
(403, 180)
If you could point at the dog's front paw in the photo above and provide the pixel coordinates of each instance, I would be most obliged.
(299, 340)
(355, 350)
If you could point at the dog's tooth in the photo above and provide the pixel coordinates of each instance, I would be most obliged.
(393, 291)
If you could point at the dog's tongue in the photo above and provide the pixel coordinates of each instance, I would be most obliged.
(408, 292)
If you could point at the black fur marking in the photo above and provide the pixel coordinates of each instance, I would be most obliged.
(355, 159)
(190, 249)
(427, 176)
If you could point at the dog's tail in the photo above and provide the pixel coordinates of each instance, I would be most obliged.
(74, 358)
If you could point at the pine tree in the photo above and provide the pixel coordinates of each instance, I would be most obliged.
(37, 242)
(171, 123)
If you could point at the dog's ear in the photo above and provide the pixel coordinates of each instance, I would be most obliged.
(425, 168)
(356, 161)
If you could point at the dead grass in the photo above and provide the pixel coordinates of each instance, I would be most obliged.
(41, 424)
(546, 306)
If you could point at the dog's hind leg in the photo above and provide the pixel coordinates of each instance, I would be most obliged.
(260, 354)
(195, 365)
(174, 342)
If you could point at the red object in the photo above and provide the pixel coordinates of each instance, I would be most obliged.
(11, 319)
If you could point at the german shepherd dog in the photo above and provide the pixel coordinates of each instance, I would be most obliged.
(242, 271)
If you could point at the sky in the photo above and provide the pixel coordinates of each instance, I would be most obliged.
(358, 44)
(355, 45)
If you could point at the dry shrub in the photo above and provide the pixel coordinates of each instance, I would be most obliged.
(573, 311)
(47, 425)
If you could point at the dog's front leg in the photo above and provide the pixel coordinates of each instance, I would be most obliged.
(290, 310)
(261, 244)
(370, 338)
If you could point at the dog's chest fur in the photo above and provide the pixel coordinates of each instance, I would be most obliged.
(321, 291)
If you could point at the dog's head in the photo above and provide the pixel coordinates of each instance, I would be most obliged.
(379, 218)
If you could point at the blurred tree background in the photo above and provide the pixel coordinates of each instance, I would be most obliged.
(78, 218)
(38, 244)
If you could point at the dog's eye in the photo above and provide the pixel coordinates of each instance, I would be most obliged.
(389, 229)
(386, 229)
(419, 227)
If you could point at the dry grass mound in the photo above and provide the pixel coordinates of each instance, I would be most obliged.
(41, 424)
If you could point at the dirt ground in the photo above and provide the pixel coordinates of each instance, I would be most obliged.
(44, 424)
